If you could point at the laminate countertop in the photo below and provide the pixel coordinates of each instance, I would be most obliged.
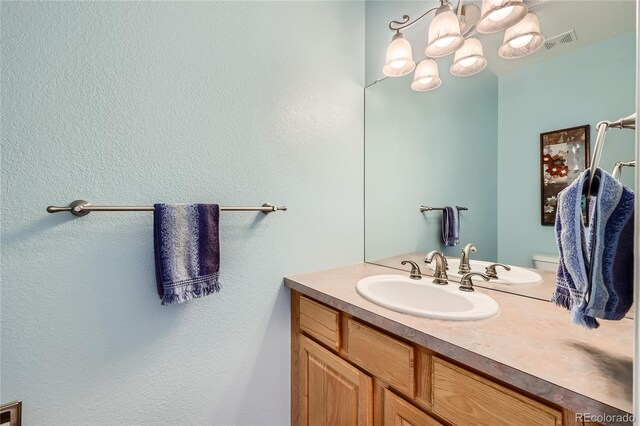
(531, 344)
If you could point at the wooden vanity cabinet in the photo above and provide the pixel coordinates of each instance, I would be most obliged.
(347, 372)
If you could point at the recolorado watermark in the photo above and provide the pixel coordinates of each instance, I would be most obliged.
(605, 418)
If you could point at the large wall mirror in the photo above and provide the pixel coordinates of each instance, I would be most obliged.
(475, 141)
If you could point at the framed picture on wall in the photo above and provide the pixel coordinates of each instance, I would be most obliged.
(564, 155)
(11, 414)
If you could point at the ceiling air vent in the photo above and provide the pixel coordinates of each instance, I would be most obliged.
(564, 38)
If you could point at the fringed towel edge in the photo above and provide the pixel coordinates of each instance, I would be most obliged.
(183, 291)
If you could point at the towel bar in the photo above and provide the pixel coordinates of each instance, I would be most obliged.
(617, 169)
(83, 208)
(622, 123)
(428, 209)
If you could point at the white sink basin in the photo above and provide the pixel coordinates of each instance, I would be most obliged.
(423, 298)
(516, 276)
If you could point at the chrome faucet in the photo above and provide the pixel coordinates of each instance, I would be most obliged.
(415, 270)
(466, 284)
(464, 260)
(490, 271)
(440, 275)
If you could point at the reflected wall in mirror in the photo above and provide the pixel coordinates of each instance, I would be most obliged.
(475, 141)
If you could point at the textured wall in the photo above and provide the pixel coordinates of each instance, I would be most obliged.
(434, 148)
(582, 87)
(132, 103)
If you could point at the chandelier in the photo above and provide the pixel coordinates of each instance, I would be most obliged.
(450, 31)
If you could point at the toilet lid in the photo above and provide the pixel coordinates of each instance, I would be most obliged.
(546, 258)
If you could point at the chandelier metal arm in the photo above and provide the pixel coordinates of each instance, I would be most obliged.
(401, 25)
(458, 8)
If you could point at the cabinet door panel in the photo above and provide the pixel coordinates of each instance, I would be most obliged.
(398, 412)
(334, 392)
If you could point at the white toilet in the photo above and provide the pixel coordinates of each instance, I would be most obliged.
(545, 262)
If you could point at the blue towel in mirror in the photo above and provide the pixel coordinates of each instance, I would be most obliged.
(450, 226)
(595, 270)
(610, 248)
(187, 251)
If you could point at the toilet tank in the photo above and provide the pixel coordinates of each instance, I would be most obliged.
(546, 262)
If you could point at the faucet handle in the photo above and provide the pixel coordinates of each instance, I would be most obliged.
(464, 266)
(491, 269)
(466, 284)
(415, 273)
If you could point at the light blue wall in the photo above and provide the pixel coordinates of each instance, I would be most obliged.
(137, 102)
(433, 148)
(583, 87)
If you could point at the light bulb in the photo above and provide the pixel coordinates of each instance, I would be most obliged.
(425, 80)
(521, 41)
(398, 63)
(444, 42)
(500, 14)
(467, 62)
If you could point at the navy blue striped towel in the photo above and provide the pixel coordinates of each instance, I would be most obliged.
(187, 251)
(451, 226)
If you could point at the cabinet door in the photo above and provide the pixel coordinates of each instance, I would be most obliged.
(332, 391)
(398, 412)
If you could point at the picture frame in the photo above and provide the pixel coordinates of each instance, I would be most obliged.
(564, 155)
(11, 414)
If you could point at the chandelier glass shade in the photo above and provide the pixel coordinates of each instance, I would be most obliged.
(469, 59)
(399, 60)
(450, 31)
(426, 76)
(498, 15)
(444, 35)
(522, 39)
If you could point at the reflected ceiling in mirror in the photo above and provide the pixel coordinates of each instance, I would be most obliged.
(475, 141)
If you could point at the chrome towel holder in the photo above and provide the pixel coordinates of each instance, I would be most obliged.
(628, 122)
(622, 123)
(617, 169)
(428, 209)
(83, 208)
